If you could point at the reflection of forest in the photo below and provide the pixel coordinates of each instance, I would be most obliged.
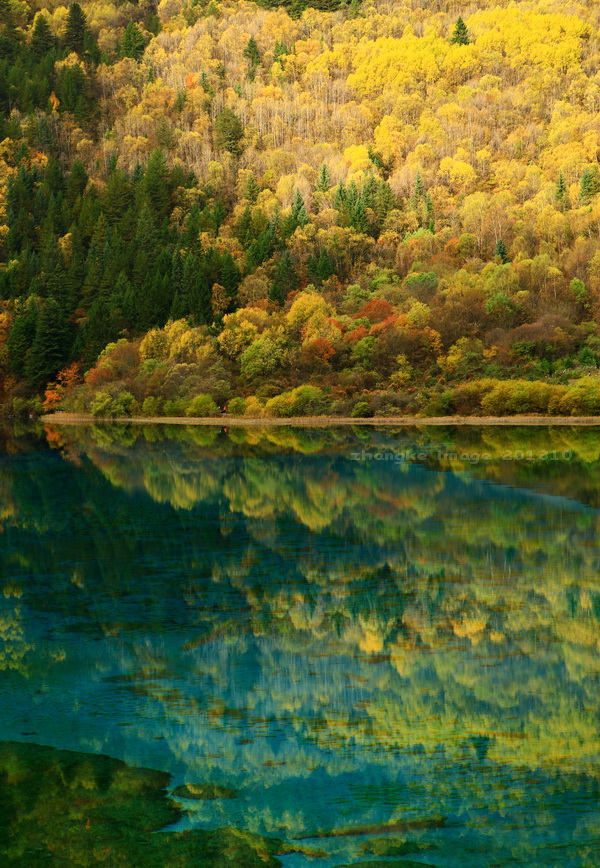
(381, 607)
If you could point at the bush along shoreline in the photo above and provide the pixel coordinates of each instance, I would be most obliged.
(249, 369)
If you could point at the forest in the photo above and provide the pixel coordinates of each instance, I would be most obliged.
(328, 208)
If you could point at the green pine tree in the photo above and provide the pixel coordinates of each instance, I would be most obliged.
(9, 35)
(76, 182)
(230, 276)
(385, 201)
(419, 192)
(154, 188)
(501, 251)
(325, 267)
(298, 210)
(229, 132)
(358, 218)
(324, 179)
(586, 187)
(50, 347)
(461, 34)
(42, 38)
(133, 43)
(75, 29)
(251, 53)
(428, 218)
(21, 335)
(279, 52)
(251, 189)
(286, 279)
(562, 193)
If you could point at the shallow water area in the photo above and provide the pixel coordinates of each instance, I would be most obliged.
(374, 645)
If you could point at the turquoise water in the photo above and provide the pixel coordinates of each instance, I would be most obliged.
(366, 634)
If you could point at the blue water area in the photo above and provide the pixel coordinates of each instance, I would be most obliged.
(374, 638)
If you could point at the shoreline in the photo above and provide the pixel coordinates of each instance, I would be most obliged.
(320, 421)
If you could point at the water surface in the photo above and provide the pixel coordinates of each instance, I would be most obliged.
(382, 643)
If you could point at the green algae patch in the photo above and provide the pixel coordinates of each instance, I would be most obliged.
(69, 808)
(378, 828)
(309, 852)
(203, 791)
(212, 849)
(394, 847)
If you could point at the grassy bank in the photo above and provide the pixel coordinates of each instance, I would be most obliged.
(313, 421)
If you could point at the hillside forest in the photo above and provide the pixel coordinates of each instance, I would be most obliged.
(293, 208)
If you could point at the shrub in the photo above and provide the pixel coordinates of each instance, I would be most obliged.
(580, 399)
(519, 396)
(202, 405)
(466, 397)
(361, 410)
(254, 407)
(309, 401)
(106, 404)
(24, 408)
(124, 404)
(151, 406)
(175, 407)
(390, 403)
(281, 406)
(237, 406)
(302, 401)
(441, 404)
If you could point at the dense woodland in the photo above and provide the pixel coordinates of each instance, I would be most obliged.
(359, 208)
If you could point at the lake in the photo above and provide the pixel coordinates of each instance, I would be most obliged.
(376, 645)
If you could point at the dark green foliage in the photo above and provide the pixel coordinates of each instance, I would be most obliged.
(154, 189)
(562, 193)
(501, 251)
(460, 35)
(324, 179)
(295, 8)
(320, 267)
(286, 279)
(298, 210)
(229, 131)
(51, 344)
(133, 43)
(9, 36)
(77, 804)
(589, 185)
(123, 269)
(42, 39)
(75, 28)
(251, 190)
(251, 53)
(280, 51)
(73, 91)
(21, 336)
(230, 276)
